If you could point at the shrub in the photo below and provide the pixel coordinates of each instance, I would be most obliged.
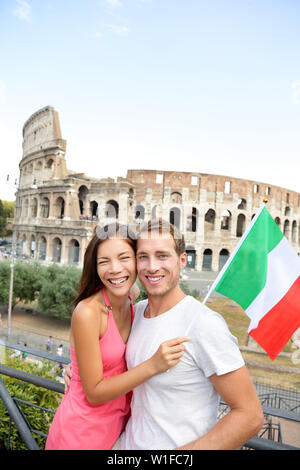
(39, 420)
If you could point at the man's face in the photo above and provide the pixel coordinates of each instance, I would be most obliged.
(158, 264)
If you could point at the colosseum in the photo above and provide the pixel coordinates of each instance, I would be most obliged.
(57, 210)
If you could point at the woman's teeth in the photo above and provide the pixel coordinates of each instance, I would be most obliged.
(117, 282)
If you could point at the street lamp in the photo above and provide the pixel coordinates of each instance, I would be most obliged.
(12, 265)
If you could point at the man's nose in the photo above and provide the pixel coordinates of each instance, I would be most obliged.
(153, 265)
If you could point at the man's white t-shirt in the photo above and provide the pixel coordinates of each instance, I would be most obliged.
(178, 406)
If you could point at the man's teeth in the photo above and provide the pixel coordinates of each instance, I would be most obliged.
(154, 279)
(119, 281)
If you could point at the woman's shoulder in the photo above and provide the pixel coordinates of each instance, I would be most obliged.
(89, 308)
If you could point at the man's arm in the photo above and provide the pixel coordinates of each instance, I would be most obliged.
(243, 421)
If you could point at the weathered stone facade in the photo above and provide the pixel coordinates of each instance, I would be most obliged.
(56, 210)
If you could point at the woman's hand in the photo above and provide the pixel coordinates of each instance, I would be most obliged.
(168, 354)
(67, 376)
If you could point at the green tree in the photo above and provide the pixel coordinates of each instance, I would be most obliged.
(27, 281)
(58, 290)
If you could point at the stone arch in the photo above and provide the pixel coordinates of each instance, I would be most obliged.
(73, 251)
(34, 207)
(192, 221)
(82, 198)
(294, 231)
(207, 260)
(42, 248)
(112, 209)
(242, 204)
(26, 208)
(286, 228)
(209, 220)
(241, 225)
(287, 211)
(277, 220)
(226, 220)
(174, 217)
(32, 246)
(94, 209)
(56, 250)
(59, 208)
(223, 257)
(45, 208)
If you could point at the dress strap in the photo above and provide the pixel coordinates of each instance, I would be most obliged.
(107, 303)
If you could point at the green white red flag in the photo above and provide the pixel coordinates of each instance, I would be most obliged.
(262, 275)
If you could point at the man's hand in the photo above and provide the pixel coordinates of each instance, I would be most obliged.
(67, 376)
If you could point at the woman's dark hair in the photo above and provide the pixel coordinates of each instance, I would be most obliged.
(90, 281)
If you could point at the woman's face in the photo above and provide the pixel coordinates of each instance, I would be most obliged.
(116, 265)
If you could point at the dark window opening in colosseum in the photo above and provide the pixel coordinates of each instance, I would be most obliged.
(207, 260)
(294, 232)
(191, 225)
(175, 217)
(268, 191)
(241, 224)
(59, 208)
(43, 248)
(277, 220)
(190, 258)
(32, 246)
(223, 257)
(82, 197)
(94, 209)
(176, 198)
(225, 220)
(131, 193)
(287, 212)
(210, 217)
(45, 208)
(49, 164)
(256, 189)
(56, 250)
(34, 206)
(73, 251)
(242, 204)
(26, 208)
(286, 228)
(287, 198)
(139, 213)
(112, 209)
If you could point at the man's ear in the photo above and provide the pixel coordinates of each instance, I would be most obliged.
(182, 260)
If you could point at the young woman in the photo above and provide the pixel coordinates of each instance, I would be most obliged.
(96, 405)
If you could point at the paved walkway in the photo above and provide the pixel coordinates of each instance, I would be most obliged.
(34, 329)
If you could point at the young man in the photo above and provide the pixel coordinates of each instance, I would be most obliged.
(178, 409)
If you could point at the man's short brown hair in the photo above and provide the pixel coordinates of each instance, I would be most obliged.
(162, 226)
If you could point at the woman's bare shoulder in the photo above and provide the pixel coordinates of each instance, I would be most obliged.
(90, 308)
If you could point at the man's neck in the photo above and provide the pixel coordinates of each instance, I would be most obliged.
(158, 304)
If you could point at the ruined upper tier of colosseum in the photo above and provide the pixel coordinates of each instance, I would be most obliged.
(57, 210)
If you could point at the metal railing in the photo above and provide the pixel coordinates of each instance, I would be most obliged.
(25, 429)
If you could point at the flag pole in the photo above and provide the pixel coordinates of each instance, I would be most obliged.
(216, 281)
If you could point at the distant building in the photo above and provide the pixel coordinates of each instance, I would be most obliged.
(57, 210)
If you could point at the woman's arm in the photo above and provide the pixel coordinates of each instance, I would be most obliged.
(85, 328)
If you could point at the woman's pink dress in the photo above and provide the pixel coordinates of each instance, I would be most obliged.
(77, 425)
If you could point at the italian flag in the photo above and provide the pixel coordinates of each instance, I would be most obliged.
(262, 275)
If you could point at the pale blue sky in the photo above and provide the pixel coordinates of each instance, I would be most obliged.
(188, 85)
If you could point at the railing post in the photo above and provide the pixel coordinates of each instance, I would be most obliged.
(18, 419)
